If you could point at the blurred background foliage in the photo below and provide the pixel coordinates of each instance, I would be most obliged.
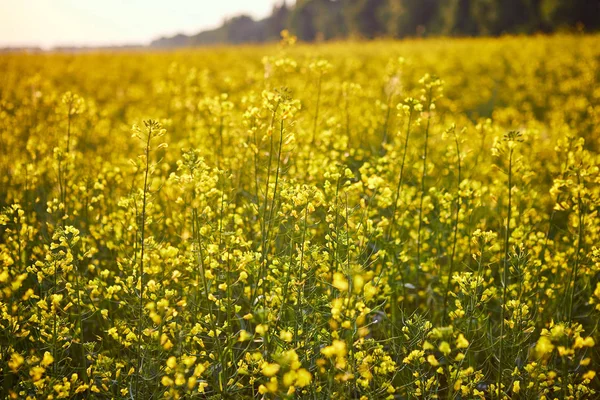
(317, 20)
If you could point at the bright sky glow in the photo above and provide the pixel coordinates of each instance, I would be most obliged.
(48, 23)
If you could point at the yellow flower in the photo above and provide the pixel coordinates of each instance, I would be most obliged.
(82, 388)
(172, 362)
(36, 373)
(191, 382)
(303, 377)
(199, 370)
(270, 369)
(340, 282)
(337, 348)
(581, 342)
(166, 342)
(202, 386)
(543, 347)
(462, 342)
(557, 331)
(370, 291)
(47, 360)
(585, 362)
(289, 378)
(516, 386)
(261, 329)
(590, 375)
(286, 336)
(269, 387)
(244, 336)
(427, 345)
(444, 347)
(16, 360)
(188, 361)
(415, 355)
(432, 360)
(179, 379)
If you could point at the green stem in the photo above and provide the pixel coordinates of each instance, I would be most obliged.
(299, 314)
(505, 274)
(314, 135)
(575, 271)
(263, 219)
(141, 264)
(423, 177)
(391, 226)
(54, 322)
(455, 239)
(80, 321)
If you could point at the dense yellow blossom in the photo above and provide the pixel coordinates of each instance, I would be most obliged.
(373, 220)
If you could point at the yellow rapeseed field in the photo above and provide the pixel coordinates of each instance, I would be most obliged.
(362, 220)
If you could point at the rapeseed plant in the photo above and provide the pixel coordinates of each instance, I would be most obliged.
(324, 223)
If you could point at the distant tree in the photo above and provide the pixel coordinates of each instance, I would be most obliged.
(330, 22)
(557, 14)
(303, 20)
(411, 17)
(312, 20)
(463, 22)
(244, 29)
(519, 16)
(277, 21)
(484, 14)
(365, 17)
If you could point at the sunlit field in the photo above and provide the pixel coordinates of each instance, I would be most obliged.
(376, 220)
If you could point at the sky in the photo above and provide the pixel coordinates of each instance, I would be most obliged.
(49, 23)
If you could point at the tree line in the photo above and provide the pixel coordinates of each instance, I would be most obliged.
(315, 20)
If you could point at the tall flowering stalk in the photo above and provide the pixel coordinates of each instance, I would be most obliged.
(408, 109)
(432, 87)
(452, 131)
(74, 105)
(151, 131)
(319, 68)
(511, 139)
